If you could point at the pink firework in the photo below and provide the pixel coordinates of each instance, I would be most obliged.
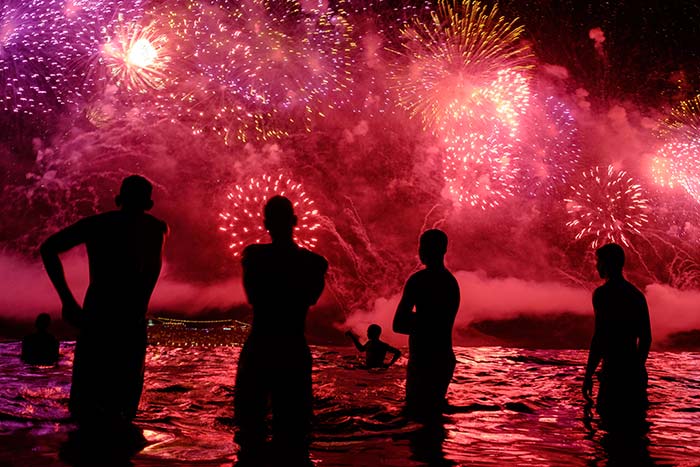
(550, 153)
(243, 221)
(464, 73)
(607, 205)
(677, 165)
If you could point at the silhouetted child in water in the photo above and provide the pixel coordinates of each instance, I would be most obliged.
(375, 350)
(621, 340)
(433, 293)
(41, 347)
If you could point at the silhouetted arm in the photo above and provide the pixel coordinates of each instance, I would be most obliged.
(405, 317)
(55, 345)
(396, 355)
(595, 352)
(154, 260)
(58, 243)
(644, 333)
(251, 280)
(355, 341)
(319, 281)
(25, 350)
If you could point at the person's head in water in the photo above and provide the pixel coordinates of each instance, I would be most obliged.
(374, 331)
(135, 194)
(433, 246)
(610, 260)
(279, 218)
(43, 321)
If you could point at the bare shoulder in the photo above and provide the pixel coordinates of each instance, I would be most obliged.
(156, 224)
(314, 259)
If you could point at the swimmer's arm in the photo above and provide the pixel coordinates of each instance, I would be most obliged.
(404, 317)
(57, 243)
(396, 355)
(356, 341)
(644, 333)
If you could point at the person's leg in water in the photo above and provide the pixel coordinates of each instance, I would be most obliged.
(426, 387)
(250, 407)
(292, 411)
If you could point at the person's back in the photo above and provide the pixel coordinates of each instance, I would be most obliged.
(621, 317)
(281, 281)
(621, 340)
(124, 253)
(434, 294)
(40, 347)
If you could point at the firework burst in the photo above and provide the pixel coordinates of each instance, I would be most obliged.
(551, 151)
(33, 53)
(243, 220)
(461, 56)
(677, 165)
(464, 75)
(255, 69)
(136, 57)
(684, 120)
(607, 205)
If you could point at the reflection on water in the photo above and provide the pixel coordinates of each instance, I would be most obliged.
(509, 407)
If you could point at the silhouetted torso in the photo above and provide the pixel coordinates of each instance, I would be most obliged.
(40, 348)
(621, 318)
(435, 293)
(281, 282)
(124, 255)
(375, 353)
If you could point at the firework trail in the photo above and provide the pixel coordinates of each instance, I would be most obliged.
(606, 206)
(464, 75)
(243, 219)
(551, 153)
(677, 165)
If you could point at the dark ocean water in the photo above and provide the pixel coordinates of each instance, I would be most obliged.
(513, 407)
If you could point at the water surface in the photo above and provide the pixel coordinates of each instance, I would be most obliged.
(512, 407)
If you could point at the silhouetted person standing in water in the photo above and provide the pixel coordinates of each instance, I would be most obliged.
(434, 294)
(281, 281)
(124, 254)
(621, 340)
(41, 347)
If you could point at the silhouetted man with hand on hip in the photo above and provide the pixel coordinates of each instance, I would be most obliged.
(621, 340)
(281, 281)
(434, 294)
(124, 253)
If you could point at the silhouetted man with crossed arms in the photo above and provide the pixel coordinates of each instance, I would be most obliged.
(124, 253)
(281, 281)
(621, 340)
(434, 294)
